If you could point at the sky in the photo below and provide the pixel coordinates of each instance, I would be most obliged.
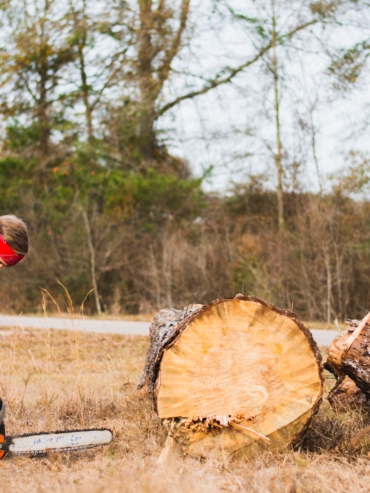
(230, 130)
(232, 127)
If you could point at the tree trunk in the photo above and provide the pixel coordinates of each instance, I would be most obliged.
(279, 153)
(42, 115)
(328, 283)
(85, 91)
(92, 260)
(42, 67)
(349, 360)
(346, 395)
(232, 376)
(147, 83)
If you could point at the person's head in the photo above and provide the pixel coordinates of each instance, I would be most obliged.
(13, 240)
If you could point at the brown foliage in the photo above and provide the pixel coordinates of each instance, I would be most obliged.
(317, 266)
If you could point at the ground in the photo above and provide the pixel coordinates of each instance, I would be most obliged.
(63, 380)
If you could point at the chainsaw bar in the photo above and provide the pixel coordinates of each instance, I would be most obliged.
(55, 441)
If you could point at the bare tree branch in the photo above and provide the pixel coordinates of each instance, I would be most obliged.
(232, 72)
(172, 52)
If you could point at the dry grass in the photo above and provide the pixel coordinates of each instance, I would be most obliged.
(325, 325)
(58, 380)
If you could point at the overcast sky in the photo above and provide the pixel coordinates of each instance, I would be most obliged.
(231, 128)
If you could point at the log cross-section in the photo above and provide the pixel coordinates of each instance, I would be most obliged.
(220, 372)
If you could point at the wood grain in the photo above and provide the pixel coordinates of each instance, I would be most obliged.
(239, 358)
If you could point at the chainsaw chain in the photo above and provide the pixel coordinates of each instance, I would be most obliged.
(66, 449)
(58, 432)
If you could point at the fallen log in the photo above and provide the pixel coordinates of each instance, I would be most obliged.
(345, 395)
(232, 376)
(349, 360)
(356, 440)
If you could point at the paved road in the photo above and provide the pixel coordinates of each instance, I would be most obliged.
(101, 326)
(322, 337)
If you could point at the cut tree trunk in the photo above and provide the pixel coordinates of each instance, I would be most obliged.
(232, 376)
(349, 360)
(346, 395)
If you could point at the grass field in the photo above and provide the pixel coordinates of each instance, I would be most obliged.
(62, 380)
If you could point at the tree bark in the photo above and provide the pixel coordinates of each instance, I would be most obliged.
(349, 360)
(85, 90)
(92, 260)
(232, 377)
(147, 82)
(278, 155)
(328, 283)
(42, 116)
(42, 65)
(346, 395)
(161, 330)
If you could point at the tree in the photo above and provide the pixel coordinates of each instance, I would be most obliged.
(159, 35)
(97, 61)
(36, 51)
(278, 156)
(278, 25)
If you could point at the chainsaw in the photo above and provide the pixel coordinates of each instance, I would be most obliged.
(55, 441)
